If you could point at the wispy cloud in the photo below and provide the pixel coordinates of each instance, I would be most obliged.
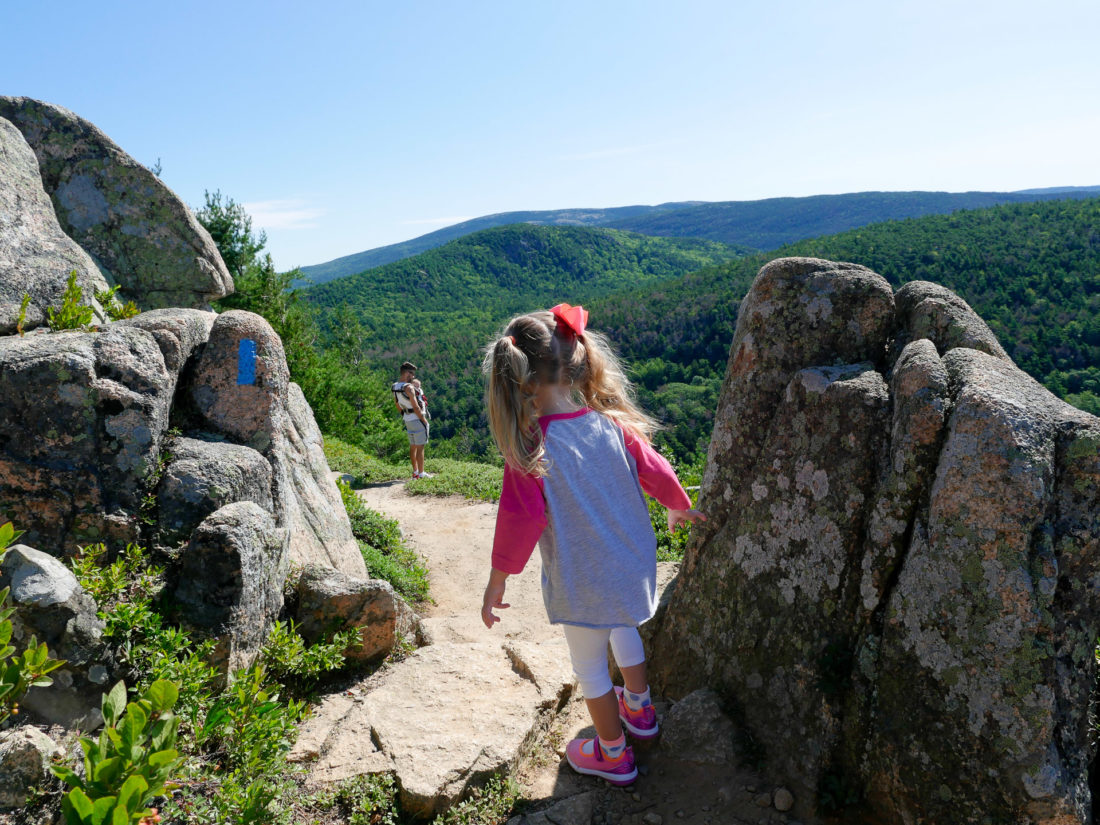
(613, 152)
(438, 221)
(283, 214)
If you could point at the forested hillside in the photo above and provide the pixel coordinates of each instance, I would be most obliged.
(763, 224)
(371, 258)
(480, 278)
(769, 224)
(1031, 270)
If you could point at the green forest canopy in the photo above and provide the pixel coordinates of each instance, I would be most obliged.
(1032, 271)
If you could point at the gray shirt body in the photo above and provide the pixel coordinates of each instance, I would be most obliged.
(599, 553)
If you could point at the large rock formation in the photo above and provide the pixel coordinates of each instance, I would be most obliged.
(82, 421)
(132, 224)
(231, 580)
(897, 586)
(36, 256)
(241, 389)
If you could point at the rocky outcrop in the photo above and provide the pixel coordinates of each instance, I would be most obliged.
(241, 389)
(51, 606)
(231, 580)
(25, 757)
(896, 587)
(82, 419)
(36, 256)
(121, 213)
(330, 601)
(203, 476)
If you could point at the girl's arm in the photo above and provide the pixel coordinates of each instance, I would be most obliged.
(521, 518)
(658, 479)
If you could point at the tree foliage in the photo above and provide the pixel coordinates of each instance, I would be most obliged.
(347, 393)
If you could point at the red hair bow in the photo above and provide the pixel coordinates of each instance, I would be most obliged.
(573, 317)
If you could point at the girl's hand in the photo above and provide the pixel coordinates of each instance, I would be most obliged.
(678, 517)
(494, 597)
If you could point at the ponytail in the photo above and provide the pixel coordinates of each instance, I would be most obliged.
(510, 398)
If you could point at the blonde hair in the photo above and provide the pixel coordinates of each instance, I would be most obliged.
(536, 350)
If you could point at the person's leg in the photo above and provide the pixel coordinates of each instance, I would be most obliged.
(626, 645)
(607, 755)
(588, 652)
(418, 458)
(634, 706)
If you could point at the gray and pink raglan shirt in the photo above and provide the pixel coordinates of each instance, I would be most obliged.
(589, 517)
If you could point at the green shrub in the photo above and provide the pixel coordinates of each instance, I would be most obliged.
(18, 672)
(115, 309)
(402, 569)
(21, 318)
(131, 762)
(488, 805)
(361, 800)
(291, 661)
(385, 553)
(72, 314)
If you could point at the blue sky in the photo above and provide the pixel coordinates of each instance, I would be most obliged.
(349, 125)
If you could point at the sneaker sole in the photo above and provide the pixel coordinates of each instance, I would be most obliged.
(613, 778)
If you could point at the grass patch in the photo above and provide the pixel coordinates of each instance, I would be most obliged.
(385, 553)
(365, 469)
(480, 482)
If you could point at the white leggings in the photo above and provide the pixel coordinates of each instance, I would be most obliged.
(588, 651)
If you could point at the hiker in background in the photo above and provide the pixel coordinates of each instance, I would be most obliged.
(415, 417)
(578, 459)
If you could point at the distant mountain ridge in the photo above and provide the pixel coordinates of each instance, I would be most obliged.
(762, 224)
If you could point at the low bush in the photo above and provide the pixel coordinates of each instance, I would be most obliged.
(72, 314)
(480, 482)
(363, 468)
(130, 764)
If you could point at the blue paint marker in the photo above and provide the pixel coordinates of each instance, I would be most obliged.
(246, 362)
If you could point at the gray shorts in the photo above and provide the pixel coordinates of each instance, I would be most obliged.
(418, 432)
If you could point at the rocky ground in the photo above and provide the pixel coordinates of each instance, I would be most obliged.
(454, 537)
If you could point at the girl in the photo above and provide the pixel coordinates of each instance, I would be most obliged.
(578, 459)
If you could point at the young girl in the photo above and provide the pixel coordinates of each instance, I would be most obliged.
(578, 459)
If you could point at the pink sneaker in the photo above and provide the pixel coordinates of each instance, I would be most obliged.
(585, 756)
(640, 723)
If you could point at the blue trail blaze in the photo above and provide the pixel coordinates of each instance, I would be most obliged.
(246, 362)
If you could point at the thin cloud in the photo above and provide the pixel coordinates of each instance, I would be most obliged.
(283, 214)
(438, 221)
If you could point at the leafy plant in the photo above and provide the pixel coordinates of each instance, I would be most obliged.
(247, 725)
(289, 659)
(21, 318)
(361, 800)
(115, 309)
(480, 482)
(18, 671)
(488, 805)
(72, 314)
(131, 762)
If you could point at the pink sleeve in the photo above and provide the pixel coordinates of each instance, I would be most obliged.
(521, 518)
(656, 474)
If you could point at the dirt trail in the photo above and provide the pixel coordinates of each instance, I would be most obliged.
(454, 536)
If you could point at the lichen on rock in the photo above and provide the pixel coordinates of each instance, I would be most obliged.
(896, 586)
